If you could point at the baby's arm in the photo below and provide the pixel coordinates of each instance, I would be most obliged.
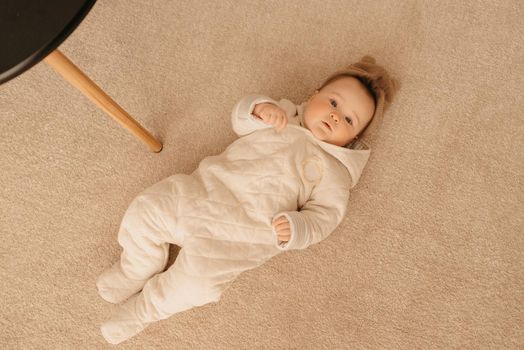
(317, 219)
(243, 116)
(271, 114)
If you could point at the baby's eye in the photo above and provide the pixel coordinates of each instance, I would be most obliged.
(349, 120)
(333, 102)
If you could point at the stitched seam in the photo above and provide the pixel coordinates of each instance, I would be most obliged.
(229, 240)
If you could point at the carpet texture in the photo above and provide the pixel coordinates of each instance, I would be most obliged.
(430, 254)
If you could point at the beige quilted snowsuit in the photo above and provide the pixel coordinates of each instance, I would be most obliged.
(221, 214)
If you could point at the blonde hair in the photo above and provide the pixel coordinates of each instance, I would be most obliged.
(379, 83)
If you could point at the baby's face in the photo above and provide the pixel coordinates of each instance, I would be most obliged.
(339, 111)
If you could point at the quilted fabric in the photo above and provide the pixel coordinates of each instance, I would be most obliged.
(221, 214)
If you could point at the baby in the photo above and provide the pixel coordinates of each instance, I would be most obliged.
(283, 185)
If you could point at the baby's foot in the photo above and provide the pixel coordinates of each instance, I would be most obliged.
(114, 287)
(124, 323)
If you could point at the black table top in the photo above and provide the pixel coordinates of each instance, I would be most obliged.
(32, 29)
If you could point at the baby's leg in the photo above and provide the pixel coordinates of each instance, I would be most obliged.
(182, 287)
(145, 239)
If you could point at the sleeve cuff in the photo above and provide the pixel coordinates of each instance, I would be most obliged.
(292, 243)
(242, 119)
(259, 123)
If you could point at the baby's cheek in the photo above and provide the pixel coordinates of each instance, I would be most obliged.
(319, 132)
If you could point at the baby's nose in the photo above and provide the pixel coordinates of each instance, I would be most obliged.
(335, 117)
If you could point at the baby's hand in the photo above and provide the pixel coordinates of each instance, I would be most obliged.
(272, 115)
(282, 228)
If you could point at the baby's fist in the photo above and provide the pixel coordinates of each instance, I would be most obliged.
(283, 229)
(272, 115)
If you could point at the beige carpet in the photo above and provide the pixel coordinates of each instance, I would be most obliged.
(430, 255)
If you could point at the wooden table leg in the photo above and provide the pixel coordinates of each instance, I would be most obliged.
(77, 78)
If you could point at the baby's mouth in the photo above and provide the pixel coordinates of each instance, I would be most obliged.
(327, 125)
